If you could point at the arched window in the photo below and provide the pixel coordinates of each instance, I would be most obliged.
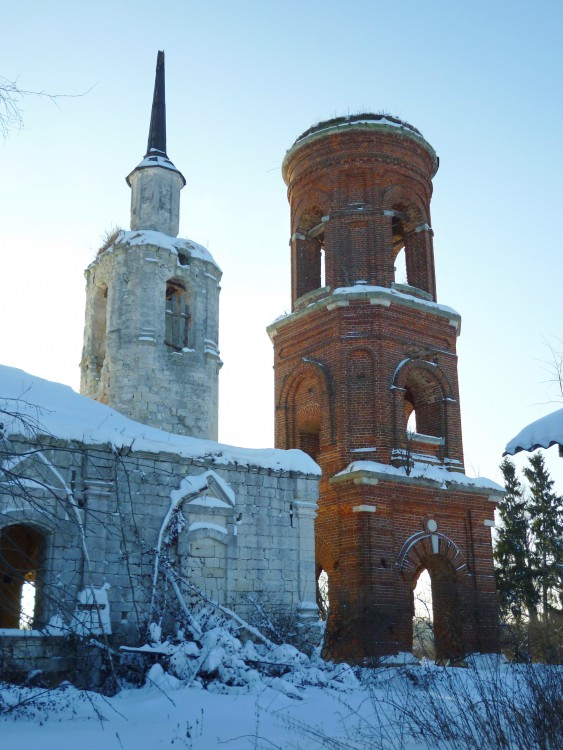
(309, 253)
(177, 322)
(424, 404)
(22, 554)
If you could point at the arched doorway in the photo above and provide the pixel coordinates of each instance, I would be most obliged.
(436, 622)
(22, 554)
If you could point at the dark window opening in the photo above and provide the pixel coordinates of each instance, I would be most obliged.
(22, 553)
(310, 443)
(177, 322)
(424, 400)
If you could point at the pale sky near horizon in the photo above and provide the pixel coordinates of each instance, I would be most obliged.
(481, 80)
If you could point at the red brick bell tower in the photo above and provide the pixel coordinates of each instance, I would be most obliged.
(358, 354)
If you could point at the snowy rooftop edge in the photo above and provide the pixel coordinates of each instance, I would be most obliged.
(156, 159)
(543, 433)
(357, 288)
(428, 472)
(56, 410)
(159, 239)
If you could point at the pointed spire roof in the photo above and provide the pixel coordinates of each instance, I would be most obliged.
(157, 130)
(156, 155)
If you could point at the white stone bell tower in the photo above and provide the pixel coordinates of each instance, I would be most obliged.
(152, 305)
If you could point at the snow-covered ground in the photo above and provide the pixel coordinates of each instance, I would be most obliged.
(256, 696)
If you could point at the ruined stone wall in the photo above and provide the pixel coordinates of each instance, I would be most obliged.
(237, 531)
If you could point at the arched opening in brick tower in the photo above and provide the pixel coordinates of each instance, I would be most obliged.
(309, 259)
(399, 252)
(423, 619)
(435, 602)
(424, 404)
(22, 555)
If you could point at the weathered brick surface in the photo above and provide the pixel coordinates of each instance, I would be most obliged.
(351, 365)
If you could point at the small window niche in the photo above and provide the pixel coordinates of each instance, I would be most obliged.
(177, 318)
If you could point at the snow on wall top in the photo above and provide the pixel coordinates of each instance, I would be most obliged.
(31, 406)
(172, 244)
(543, 433)
(425, 471)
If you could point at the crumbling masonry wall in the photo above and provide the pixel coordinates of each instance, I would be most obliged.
(102, 513)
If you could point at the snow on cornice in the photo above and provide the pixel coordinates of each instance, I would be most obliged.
(376, 295)
(437, 475)
(543, 433)
(164, 241)
(369, 289)
(32, 407)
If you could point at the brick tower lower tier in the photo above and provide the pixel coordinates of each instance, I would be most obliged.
(366, 383)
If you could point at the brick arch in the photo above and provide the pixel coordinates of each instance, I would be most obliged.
(421, 386)
(401, 198)
(307, 247)
(416, 550)
(407, 366)
(312, 199)
(411, 231)
(321, 408)
(441, 557)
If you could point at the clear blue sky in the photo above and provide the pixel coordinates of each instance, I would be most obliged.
(481, 80)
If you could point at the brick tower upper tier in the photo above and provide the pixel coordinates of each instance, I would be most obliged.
(360, 189)
(152, 305)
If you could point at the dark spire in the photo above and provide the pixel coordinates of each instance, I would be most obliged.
(157, 132)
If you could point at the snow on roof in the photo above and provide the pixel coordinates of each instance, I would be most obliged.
(543, 433)
(421, 470)
(31, 406)
(173, 244)
(154, 159)
(368, 291)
